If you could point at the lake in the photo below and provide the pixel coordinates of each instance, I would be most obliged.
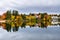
(31, 33)
(30, 30)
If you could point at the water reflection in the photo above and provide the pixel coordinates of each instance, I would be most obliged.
(14, 26)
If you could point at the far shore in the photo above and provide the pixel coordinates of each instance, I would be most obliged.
(2, 21)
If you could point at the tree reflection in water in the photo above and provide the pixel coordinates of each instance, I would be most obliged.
(9, 26)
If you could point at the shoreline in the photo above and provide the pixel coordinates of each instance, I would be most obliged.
(2, 21)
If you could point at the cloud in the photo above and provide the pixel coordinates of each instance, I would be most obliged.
(29, 3)
(19, 4)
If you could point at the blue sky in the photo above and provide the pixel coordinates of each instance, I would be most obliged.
(26, 6)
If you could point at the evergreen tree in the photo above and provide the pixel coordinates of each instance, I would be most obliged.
(8, 15)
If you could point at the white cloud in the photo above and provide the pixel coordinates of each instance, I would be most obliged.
(14, 4)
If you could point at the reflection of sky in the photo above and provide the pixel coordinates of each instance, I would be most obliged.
(50, 33)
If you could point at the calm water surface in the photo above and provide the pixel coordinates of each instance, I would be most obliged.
(33, 33)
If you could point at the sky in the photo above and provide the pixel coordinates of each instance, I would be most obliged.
(26, 6)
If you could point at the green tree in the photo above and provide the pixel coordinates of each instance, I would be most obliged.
(8, 27)
(15, 12)
(23, 16)
(8, 15)
(59, 18)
